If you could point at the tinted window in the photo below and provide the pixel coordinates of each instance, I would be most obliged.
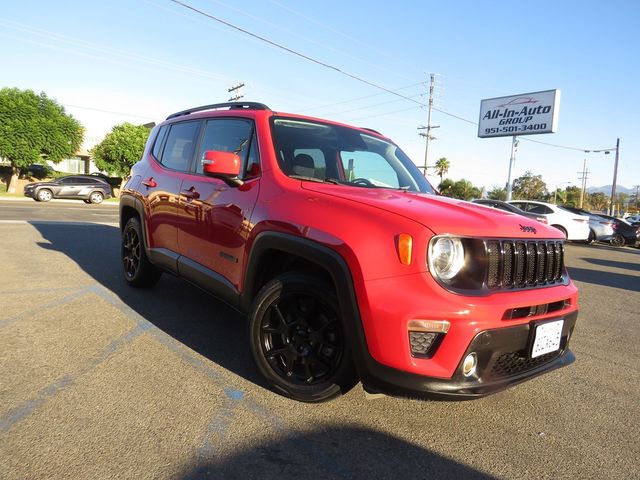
(180, 144)
(226, 135)
(539, 209)
(157, 146)
(65, 181)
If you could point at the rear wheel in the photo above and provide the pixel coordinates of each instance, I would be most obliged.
(617, 240)
(44, 195)
(298, 341)
(137, 269)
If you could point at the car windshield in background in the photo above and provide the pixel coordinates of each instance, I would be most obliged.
(335, 154)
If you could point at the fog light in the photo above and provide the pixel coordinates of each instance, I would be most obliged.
(469, 364)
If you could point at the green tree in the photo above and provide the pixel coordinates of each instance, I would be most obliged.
(598, 201)
(120, 148)
(34, 128)
(497, 193)
(462, 189)
(570, 196)
(442, 167)
(529, 187)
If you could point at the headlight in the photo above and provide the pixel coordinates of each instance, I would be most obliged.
(446, 257)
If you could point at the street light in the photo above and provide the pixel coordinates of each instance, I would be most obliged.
(555, 193)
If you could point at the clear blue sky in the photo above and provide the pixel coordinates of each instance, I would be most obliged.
(149, 58)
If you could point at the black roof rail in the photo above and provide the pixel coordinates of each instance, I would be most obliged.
(229, 105)
(372, 130)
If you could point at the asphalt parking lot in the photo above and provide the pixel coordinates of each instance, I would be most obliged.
(98, 380)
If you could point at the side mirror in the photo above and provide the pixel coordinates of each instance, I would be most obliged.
(222, 165)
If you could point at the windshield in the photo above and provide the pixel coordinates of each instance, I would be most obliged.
(341, 155)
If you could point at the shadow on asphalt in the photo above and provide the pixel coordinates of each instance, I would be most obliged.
(334, 452)
(219, 333)
(612, 263)
(183, 311)
(607, 279)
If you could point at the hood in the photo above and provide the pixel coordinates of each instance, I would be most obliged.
(442, 214)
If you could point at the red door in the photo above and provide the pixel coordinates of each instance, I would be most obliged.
(213, 217)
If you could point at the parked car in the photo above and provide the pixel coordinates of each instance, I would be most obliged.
(631, 219)
(602, 229)
(348, 264)
(574, 227)
(507, 207)
(626, 234)
(78, 187)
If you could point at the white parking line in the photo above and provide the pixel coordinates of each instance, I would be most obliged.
(55, 222)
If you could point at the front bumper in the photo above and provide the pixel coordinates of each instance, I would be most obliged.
(503, 361)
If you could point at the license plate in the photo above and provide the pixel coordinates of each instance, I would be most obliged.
(547, 338)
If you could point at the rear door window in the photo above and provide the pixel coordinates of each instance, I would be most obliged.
(180, 145)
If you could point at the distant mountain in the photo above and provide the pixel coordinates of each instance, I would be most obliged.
(607, 189)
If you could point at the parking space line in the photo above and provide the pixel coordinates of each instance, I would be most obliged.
(219, 425)
(53, 303)
(35, 290)
(56, 222)
(24, 410)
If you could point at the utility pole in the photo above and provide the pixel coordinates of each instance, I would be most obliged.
(637, 187)
(429, 127)
(583, 178)
(512, 161)
(235, 92)
(615, 179)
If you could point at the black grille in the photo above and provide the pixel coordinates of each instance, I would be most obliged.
(513, 363)
(523, 264)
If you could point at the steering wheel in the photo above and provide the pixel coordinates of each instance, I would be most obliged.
(362, 181)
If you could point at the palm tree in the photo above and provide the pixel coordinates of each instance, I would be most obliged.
(442, 167)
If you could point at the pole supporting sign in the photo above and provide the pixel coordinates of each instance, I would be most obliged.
(524, 114)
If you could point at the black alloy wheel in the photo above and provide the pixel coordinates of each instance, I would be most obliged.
(298, 340)
(617, 240)
(137, 270)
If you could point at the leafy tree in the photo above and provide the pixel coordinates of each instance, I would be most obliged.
(34, 128)
(442, 167)
(121, 148)
(529, 187)
(598, 201)
(497, 193)
(462, 189)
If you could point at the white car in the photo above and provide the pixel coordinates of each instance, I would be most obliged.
(574, 227)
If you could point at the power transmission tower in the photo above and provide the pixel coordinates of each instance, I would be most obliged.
(584, 175)
(429, 127)
(235, 92)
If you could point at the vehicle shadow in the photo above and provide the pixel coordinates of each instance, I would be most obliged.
(333, 452)
(614, 264)
(607, 279)
(180, 309)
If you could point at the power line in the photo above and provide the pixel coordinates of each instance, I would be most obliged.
(294, 52)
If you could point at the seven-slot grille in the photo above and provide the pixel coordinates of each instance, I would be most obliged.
(523, 263)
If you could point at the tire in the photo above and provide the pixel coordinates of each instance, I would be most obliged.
(617, 240)
(96, 197)
(591, 239)
(44, 195)
(562, 229)
(298, 341)
(136, 267)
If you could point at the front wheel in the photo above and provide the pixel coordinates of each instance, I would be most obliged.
(44, 195)
(617, 240)
(298, 340)
(137, 269)
(96, 197)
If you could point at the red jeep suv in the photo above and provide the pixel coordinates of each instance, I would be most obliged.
(348, 264)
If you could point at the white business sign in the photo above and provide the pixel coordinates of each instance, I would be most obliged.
(526, 114)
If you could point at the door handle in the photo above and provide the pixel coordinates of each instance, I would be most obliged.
(191, 193)
(149, 183)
